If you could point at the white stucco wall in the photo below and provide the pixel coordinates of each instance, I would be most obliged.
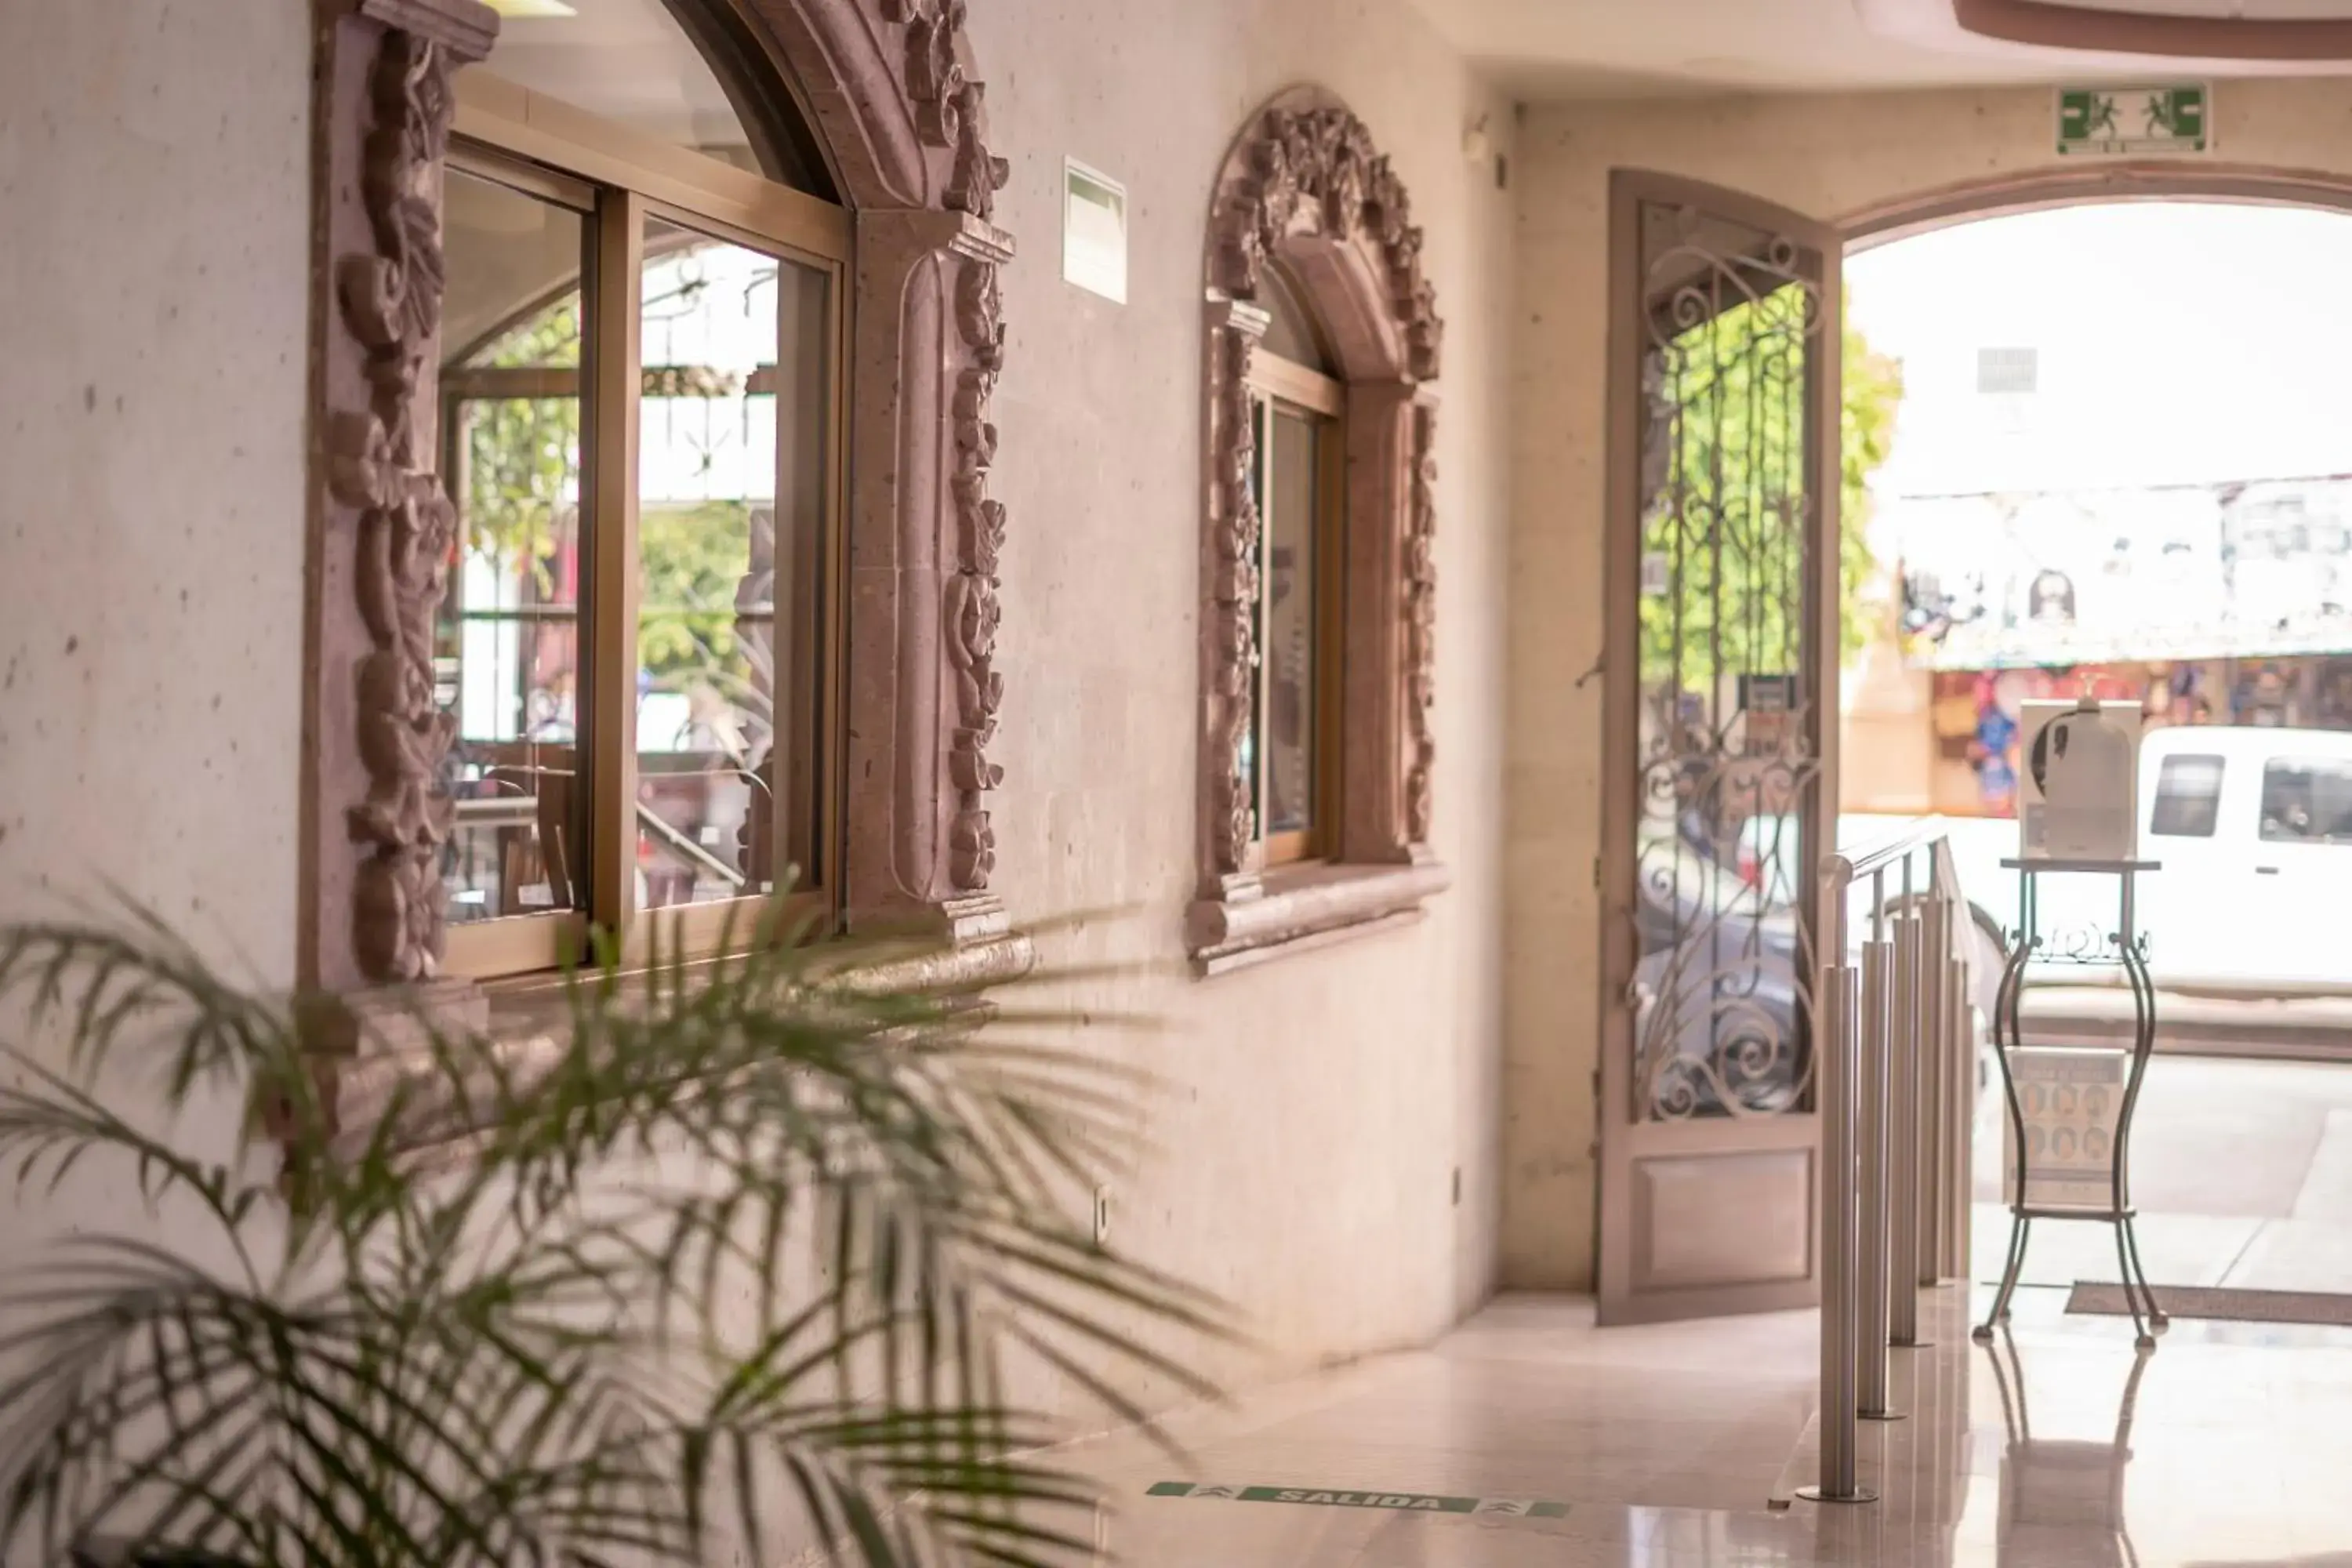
(1829, 156)
(1317, 1107)
(154, 210)
(154, 299)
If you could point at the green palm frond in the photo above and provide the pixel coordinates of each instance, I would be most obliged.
(739, 1258)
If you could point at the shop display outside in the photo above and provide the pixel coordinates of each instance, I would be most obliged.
(2228, 603)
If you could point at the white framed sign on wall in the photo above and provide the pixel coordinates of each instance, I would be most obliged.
(1094, 231)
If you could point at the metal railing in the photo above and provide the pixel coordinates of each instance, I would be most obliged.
(1896, 1078)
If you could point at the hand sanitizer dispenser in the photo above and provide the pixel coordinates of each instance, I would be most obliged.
(2085, 765)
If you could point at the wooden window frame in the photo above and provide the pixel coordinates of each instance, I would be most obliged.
(888, 95)
(510, 136)
(1305, 191)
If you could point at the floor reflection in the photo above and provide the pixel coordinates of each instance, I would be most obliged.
(2061, 1496)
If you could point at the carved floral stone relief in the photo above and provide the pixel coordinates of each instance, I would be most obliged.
(392, 301)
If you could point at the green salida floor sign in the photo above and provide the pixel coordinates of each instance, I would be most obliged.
(1402, 1502)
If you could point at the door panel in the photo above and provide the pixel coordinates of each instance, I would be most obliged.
(1721, 702)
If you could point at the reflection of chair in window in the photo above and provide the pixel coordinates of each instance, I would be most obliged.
(2062, 1500)
(536, 852)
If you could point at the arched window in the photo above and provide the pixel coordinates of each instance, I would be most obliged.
(607, 455)
(1318, 672)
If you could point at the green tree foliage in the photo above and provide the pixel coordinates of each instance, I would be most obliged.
(522, 467)
(694, 558)
(522, 455)
(1723, 477)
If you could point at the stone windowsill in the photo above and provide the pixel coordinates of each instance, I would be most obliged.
(1299, 909)
(525, 1016)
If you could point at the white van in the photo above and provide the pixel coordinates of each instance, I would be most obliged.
(2255, 830)
(2253, 827)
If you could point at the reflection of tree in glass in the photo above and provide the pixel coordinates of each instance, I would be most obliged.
(695, 559)
(522, 455)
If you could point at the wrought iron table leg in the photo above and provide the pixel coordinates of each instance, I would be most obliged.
(2157, 1320)
(2007, 1032)
(2143, 986)
(2020, 1230)
(2141, 1333)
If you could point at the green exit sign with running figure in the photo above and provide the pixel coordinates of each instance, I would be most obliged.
(2132, 120)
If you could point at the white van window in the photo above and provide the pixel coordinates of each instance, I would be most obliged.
(2187, 797)
(2308, 800)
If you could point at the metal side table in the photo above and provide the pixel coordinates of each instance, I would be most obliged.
(2070, 1159)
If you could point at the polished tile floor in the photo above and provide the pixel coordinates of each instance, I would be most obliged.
(1671, 1446)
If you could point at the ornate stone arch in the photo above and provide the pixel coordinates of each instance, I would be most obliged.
(1305, 184)
(889, 89)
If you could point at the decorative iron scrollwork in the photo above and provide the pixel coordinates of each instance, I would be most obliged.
(1728, 768)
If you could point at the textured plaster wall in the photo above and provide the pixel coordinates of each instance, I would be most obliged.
(1315, 1108)
(1830, 156)
(155, 205)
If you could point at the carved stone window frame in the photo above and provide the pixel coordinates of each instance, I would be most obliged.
(888, 89)
(1305, 184)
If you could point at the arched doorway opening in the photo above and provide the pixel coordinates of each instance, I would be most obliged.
(2134, 487)
(1725, 577)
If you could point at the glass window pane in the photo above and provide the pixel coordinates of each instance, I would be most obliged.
(2188, 797)
(1291, 331)
(630, 62)
(507, 664)
(1289, 647)
(730, 493)
(2307, 801)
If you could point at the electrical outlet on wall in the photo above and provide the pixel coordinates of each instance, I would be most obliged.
(1102, 1215)
(1457, 1186)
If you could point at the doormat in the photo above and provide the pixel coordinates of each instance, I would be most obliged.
(1407, 1502)
(2312, 1307)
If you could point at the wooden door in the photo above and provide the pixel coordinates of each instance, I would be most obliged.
(1721, 702)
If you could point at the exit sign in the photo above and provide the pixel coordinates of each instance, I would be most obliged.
(2129, 120)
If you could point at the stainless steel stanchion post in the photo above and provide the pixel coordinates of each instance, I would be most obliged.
(1835, 1061)
(1960, 1117)
(1927, 1103)
(1872, 1276)
(1905, 1042)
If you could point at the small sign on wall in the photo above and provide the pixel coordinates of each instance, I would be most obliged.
(1094, 231)
(2132, 121)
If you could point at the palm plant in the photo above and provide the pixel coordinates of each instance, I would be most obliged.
(739, 1261)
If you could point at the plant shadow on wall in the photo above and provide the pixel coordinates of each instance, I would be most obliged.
(739, 1266)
